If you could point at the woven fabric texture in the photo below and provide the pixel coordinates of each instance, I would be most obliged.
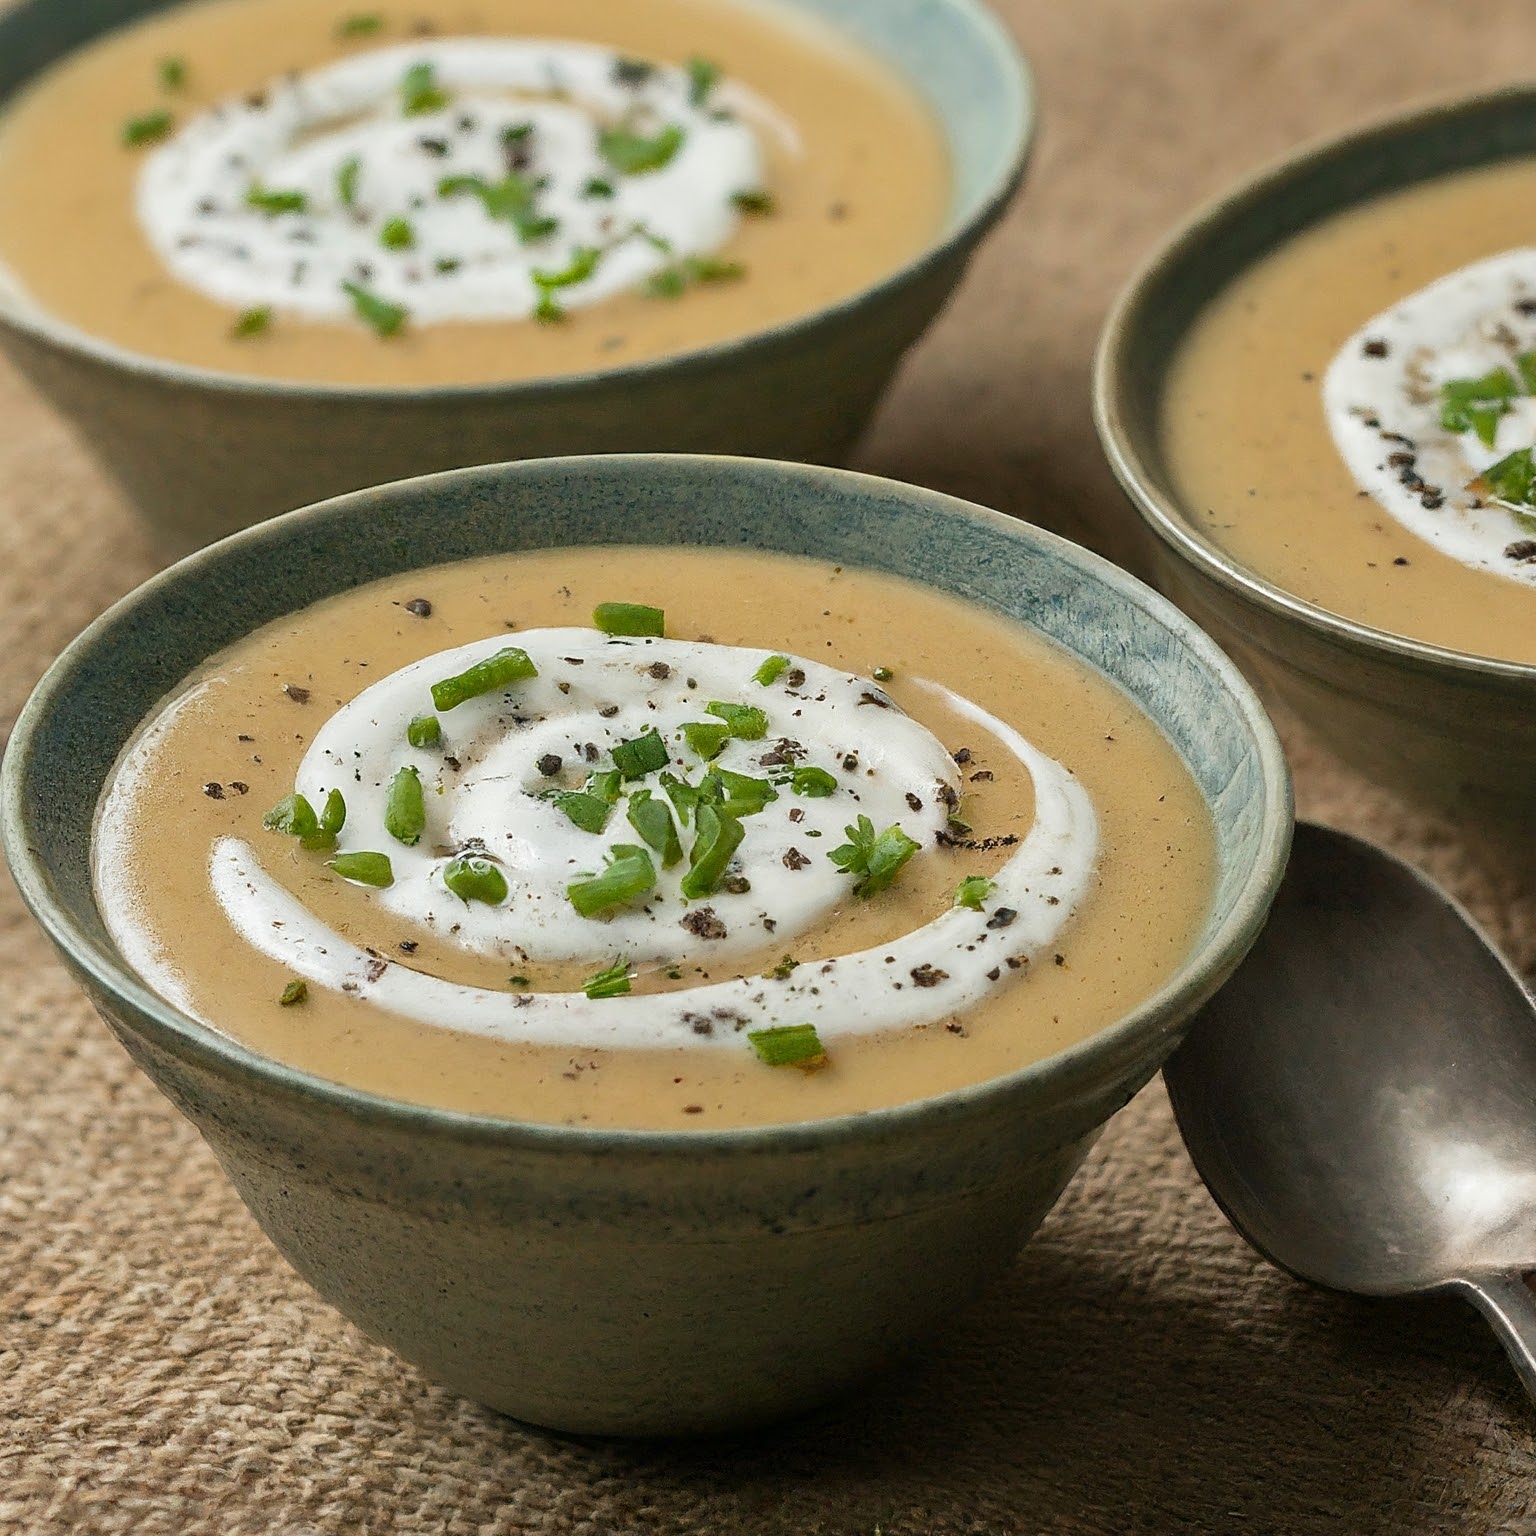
(162, 1370)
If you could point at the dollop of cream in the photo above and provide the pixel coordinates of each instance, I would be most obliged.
(487, 787)
(1382, 399)
(528, 108)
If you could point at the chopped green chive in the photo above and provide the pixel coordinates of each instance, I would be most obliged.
(172, 74)
(705, 738)
(606, 785)
(875, 860)
(788, 1045)
(629, 619)
(746, 721)
(361, 24)
(785, 968)
(816, 783)
(251, 322)
(347, 175)
(509, 665)
(703, 76)
(684, 797)
(629, 873)
(294, 816)
(472, 877)
(397, 235)
(363, 868)
(333, 816)
(737, 794)
(295, 992)
(589, 812)
(754, 200)
(640, 756)
(1512, 480)
(405, 807)
(614, 982)
(386, 319)
(635, 154)
(882, 674)
(582, 265)
(770, 670)
(653, 821)
(512, 200)
(674, 281)
(972, 891)
(717, 834)
(597, 187)
(1526, 363)
(149, 129)
(275, 200)
(1477, 404)
(419, 91)
(424, 731)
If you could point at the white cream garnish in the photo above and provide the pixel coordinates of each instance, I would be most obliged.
(1383, 399)
(591, 693)
(527, 109)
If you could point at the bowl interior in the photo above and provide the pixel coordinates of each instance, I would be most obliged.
(1161, 304)
(76, 724)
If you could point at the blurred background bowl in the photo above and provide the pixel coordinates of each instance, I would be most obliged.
(641, 1282)
(201, 453)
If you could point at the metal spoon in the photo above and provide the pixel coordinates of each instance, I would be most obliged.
(1360, 1098)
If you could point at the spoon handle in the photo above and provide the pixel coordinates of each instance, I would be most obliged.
(1508, 1304)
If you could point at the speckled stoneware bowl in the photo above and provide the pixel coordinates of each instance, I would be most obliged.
(1455, 729)
(655, 1282)
(202, 453)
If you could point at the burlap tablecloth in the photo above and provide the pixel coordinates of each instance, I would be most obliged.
(1140, 1370)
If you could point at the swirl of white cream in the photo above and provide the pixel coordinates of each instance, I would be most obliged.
(882, 757)
(1382, 399)
(488, 173)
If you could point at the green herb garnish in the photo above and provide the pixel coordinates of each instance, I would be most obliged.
(717, 834)
(295, 992)
(785, 968)
(641, 755)
(788, 1045)
(1477, 404)
(424, 731)
(684, 796)
(386, 319)
(1512, 481)
(419, 91)
(606, 785)
(755, 200)
(705, 738)
(746, 721)
(653, 821)
(597, 187)
(346, 181)
(363, 868)
(473, 877)
(629, 619)
(875, 860)
(674, 281)
(770, 670)
(397, 235)
(629, 873)
(405, 807)
(149, 129)
(815, 783)
(333, 816)
(509, 665)
(589, 812)
(973, 890)
(294, 816)
(361, 24)
(251, 322)
(737, 794)
(172, 74)
(512, 200)
(614, 982)
(703, 76)
(582, 265)
(882, 674)
(635, 154)
(275, 200)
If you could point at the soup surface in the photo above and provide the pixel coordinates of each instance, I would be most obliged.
(454, 191)
(1354, 417)
(915, 847)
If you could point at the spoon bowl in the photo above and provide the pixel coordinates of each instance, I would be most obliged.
(1360, 1098)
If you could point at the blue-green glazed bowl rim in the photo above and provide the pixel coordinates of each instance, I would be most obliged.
(1128, 1039)
(1336, 172)
(1017, 121)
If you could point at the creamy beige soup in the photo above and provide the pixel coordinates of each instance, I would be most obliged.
(1060, 861)
(1407, 300)
(514, 188)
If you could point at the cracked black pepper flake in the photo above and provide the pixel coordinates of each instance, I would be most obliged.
(1002, 917)
(794, 859)
(408, 946)
(913, 801)
(297, 694)
(550, 764)
(214, 791)
(928, 976)
(1375, 347)
(1522, 550)
(703, 923)
(420, 607)
(660, 671)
